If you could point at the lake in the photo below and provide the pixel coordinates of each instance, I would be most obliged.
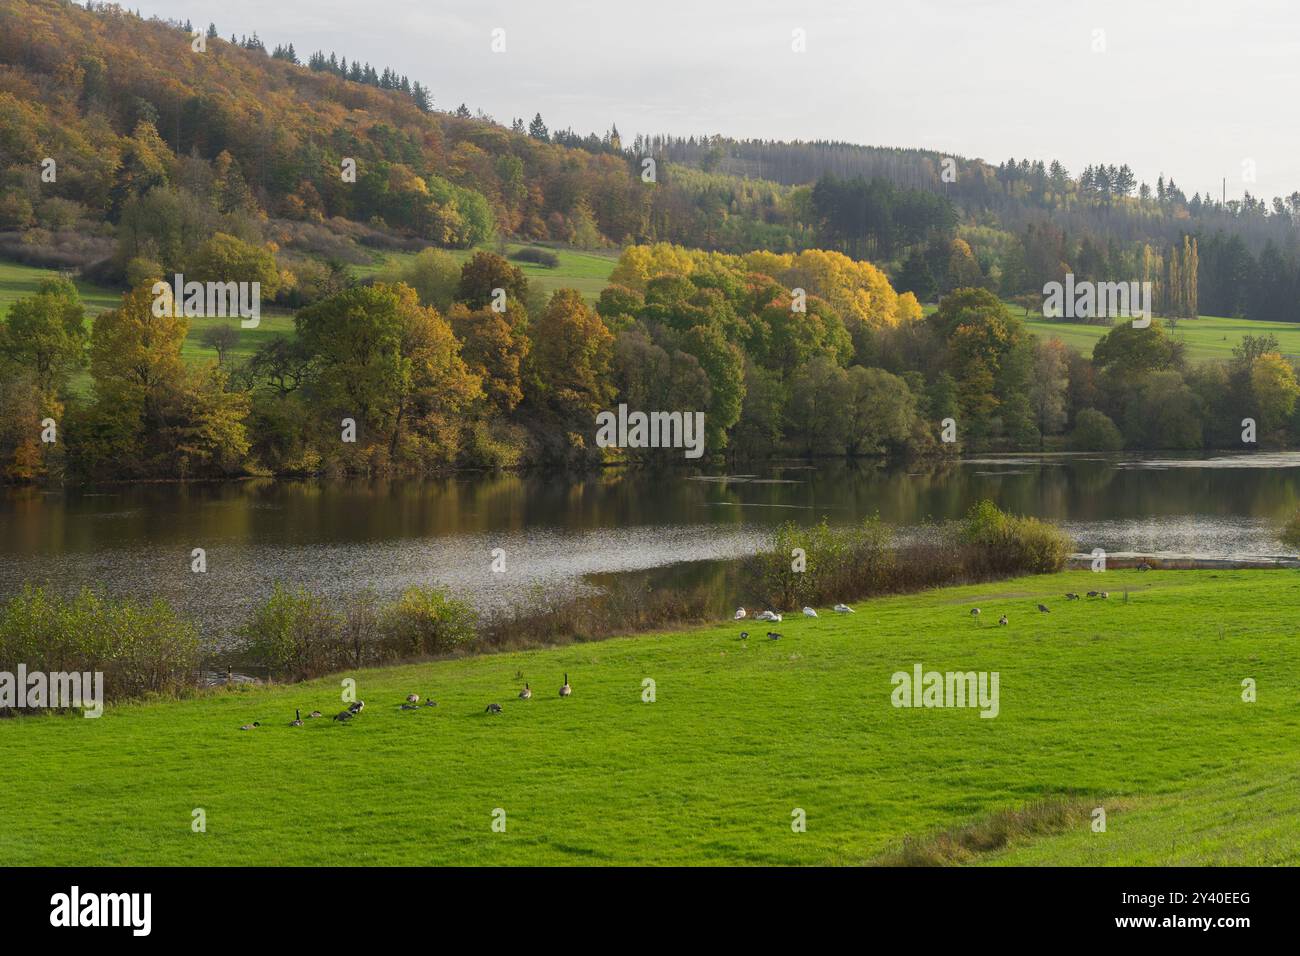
(560, 532)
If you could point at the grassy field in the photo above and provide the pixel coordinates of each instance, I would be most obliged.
(588, 272)
(1133, 704)
(1206, 336)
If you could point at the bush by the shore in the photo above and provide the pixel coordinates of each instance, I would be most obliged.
(141, 649)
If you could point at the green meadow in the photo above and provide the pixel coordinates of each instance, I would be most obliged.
(1206, 337)
(588, 272)
(1133, 704)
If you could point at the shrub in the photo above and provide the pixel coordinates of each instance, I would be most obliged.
(1007, 544)
(427, 621)
(837, 563)
(535, 254)
(1093, 431)
(1291, 531)
(140, 648)
(293, 633)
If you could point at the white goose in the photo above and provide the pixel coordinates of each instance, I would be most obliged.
(844, 609)
(740, 614)
(809, 612)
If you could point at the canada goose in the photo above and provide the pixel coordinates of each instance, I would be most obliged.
(740, 614)
(773, 636)
(744, 635)
(251, 726)
(1093, 593)
(844, 609)
(297, 719)
(430, 703)
(809, 612)
(526, 693)
(566, 690)
(493, 709)
(356, 706)
(1002, 621)
(412, 698)
(1104, 595)
(974, 612)
(315, 713)
(344, 715)
(1144, 566)
(1043, 608)
(1071, 596)
(410, 707)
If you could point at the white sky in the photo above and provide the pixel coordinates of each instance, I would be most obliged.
(1189, 88)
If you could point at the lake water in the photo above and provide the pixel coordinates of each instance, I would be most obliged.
(559, 532)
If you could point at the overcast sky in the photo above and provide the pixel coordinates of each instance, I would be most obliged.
(1194, 89)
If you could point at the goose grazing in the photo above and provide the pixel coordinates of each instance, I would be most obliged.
(566, 690)
(255, 724)
(297, 719)
(1071, 596)
(744, 635)
(740, 614)
(430, 702)
(356, 706)
(526, 693)
(1002, 621)
(412, 698)
(315, 713)
(773, 636)
(344, 715)
(493, 709)
(1144, 566)
(1104, 595)
(844, 609)
(1093, 593)
(410, 707)
(1043, 608)
(809, 612)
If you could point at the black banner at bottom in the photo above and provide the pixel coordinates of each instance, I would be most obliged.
(310, 904)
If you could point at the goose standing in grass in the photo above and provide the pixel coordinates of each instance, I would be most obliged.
(1144, 566)
(744, 635)
(1043, 608)
(430, 702)
(1093, 594)
(809, 612)
(344, 715)
(315, 713)
(1002, 621)
(1104, 595)
(493, 709)
(526, 693)
(356, 706)
(773, 636)
(410, 707)
(844, 609)
(566, 690)
(740, 614)
(1071, 596)
(297, 719)
(253, 726)
(975, 614)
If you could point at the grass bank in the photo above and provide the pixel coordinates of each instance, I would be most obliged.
(1129, 704)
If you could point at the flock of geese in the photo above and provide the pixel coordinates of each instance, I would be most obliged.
(413, 702)
(1043, 608)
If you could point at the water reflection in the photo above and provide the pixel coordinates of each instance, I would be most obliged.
(340, 536)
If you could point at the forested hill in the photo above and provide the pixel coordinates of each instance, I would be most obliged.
(157, 144)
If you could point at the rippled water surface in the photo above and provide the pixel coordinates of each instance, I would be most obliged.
(341, 536)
